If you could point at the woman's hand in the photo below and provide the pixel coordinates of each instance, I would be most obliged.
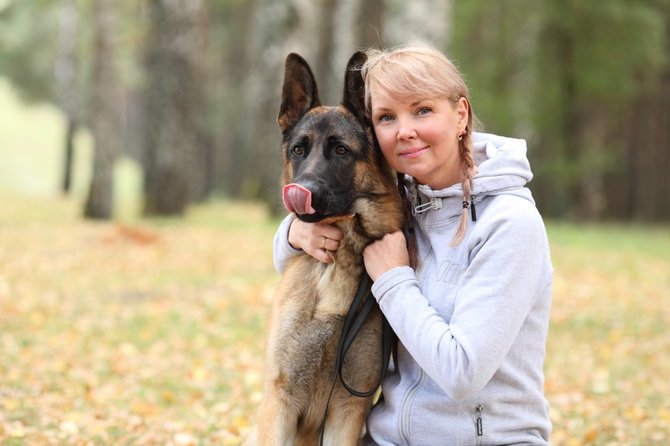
(385, 254)
(316, 239)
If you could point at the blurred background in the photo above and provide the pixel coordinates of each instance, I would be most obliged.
(143, 323)
(146, 107)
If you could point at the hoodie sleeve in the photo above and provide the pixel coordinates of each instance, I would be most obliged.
(509, 267)
(282, 249)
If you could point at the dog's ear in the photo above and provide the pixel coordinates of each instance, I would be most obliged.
(354, 86)
(299, 94)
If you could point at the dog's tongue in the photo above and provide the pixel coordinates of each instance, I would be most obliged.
(297, 199)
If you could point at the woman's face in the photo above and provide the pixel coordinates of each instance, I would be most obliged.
(419, 136)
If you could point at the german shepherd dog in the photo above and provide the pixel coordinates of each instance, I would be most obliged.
(332, 172)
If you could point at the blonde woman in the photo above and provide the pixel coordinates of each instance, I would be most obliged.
(472, 316)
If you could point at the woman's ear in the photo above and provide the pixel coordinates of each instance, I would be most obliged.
(463, 112)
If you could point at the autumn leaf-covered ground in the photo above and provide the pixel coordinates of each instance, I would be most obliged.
(152, 332)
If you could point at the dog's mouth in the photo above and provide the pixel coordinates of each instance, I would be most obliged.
(298, 199)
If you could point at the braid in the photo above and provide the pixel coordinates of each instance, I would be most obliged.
(469, 171)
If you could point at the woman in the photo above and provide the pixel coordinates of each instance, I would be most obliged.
(472, 318)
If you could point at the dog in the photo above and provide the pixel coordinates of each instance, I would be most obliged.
(332, 172)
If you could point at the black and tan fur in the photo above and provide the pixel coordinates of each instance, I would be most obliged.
(330, 151)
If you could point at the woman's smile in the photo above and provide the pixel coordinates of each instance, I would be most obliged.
(412, 152)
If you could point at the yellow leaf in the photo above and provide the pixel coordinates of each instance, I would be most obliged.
(168, 397)
(37, 318)
(591, 436)
(10, 404)
(199, 374)
(143, 408)
(241, 422)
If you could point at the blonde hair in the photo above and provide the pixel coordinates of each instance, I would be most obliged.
(420, 69)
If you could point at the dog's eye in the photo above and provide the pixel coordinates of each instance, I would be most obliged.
(341, 150)
(298, 150)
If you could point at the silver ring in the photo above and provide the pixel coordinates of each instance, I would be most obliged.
(323, 243)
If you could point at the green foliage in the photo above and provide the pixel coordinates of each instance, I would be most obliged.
(27, 46)
(562, 74)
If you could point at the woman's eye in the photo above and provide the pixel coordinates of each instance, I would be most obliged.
(341, 150)
(298, 150)
(384, 118)
(423, 111)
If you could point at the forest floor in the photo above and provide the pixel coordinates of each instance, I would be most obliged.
(152, 332)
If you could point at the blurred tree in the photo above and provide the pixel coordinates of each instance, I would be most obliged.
(40, 54)
(562, 74)
(586, 83)
(66, 80)
(105, 121)
(278, 27)
(589, 51)
(27, 47)
(638, 186)
(428, 20)
(174, 156)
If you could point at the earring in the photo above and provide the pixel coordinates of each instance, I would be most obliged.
(462, 134)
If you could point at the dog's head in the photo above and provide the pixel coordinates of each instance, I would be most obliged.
(328, 154)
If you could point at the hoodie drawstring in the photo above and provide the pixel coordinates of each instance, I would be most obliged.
(470, 205)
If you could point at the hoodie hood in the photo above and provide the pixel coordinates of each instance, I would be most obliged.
(502, 168)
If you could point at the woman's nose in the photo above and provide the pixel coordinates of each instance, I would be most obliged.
(405, 130)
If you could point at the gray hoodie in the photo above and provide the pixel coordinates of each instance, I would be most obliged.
(472, 320)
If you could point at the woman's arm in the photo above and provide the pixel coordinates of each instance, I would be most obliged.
(282, 250)
(509, 268)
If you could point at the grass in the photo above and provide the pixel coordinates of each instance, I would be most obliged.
(152, 332)
(142, 334)
(607, 355)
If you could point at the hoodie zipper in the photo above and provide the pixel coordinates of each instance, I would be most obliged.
(479, 424)
(411, 394)
(406, 407)
(471, 204)
(493, 192)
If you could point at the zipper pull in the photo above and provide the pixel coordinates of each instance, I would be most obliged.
(472, 209)
(480, 428)
(435, 203)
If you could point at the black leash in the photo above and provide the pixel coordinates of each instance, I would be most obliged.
(358, 313)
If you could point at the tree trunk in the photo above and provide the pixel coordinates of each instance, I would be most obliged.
(66, 186)
(65, 77)
(641, 190)
(427, 20)
(235, 67)
(175, 161)
(105, 117)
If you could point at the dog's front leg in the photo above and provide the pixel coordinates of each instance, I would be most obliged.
(344, 424)
(277, 423)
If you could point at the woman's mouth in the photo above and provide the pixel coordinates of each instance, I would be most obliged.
(412, 152)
